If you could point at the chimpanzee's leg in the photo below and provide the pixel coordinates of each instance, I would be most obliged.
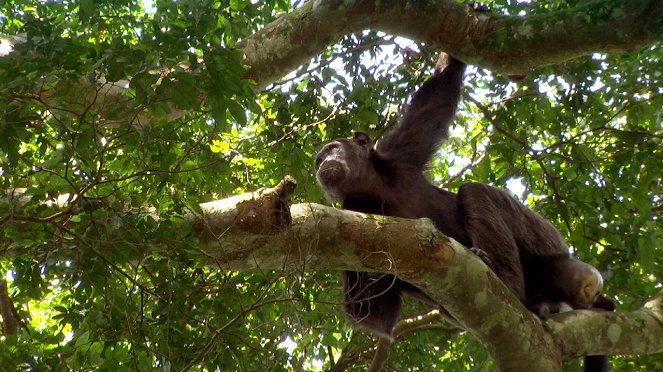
(561, 279)
(488, 215)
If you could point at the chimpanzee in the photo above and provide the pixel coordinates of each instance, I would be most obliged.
(521, 247)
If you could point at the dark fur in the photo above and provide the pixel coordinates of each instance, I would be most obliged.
(523, 249)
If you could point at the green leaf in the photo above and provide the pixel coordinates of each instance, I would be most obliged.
(237, 111)
(82, 339)
(87, 9)
(220, 146)
(366, 116)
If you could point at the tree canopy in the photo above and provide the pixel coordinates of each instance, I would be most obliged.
(119, 118)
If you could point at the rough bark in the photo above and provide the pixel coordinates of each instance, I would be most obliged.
(611, 333)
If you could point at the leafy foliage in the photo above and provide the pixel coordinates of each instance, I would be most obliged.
(104, 284)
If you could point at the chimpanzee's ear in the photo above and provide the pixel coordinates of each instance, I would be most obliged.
(362, 139)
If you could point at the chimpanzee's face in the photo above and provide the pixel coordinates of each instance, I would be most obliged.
(343, 166)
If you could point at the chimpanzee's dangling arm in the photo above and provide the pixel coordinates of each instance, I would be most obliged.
(428, 117)
(372, 301)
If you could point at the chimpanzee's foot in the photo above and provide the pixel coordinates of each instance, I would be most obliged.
(484, 256)
(545, 309)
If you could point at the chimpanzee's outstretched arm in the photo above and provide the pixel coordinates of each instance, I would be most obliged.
(428, 117)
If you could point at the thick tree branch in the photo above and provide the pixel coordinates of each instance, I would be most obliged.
(583, 332)
(507, 44)
(326, 238)
(511, 45)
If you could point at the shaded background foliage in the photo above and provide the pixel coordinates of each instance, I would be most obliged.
(104, 284)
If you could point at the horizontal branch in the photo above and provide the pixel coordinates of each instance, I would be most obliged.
(621, 333)
(506, 44)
